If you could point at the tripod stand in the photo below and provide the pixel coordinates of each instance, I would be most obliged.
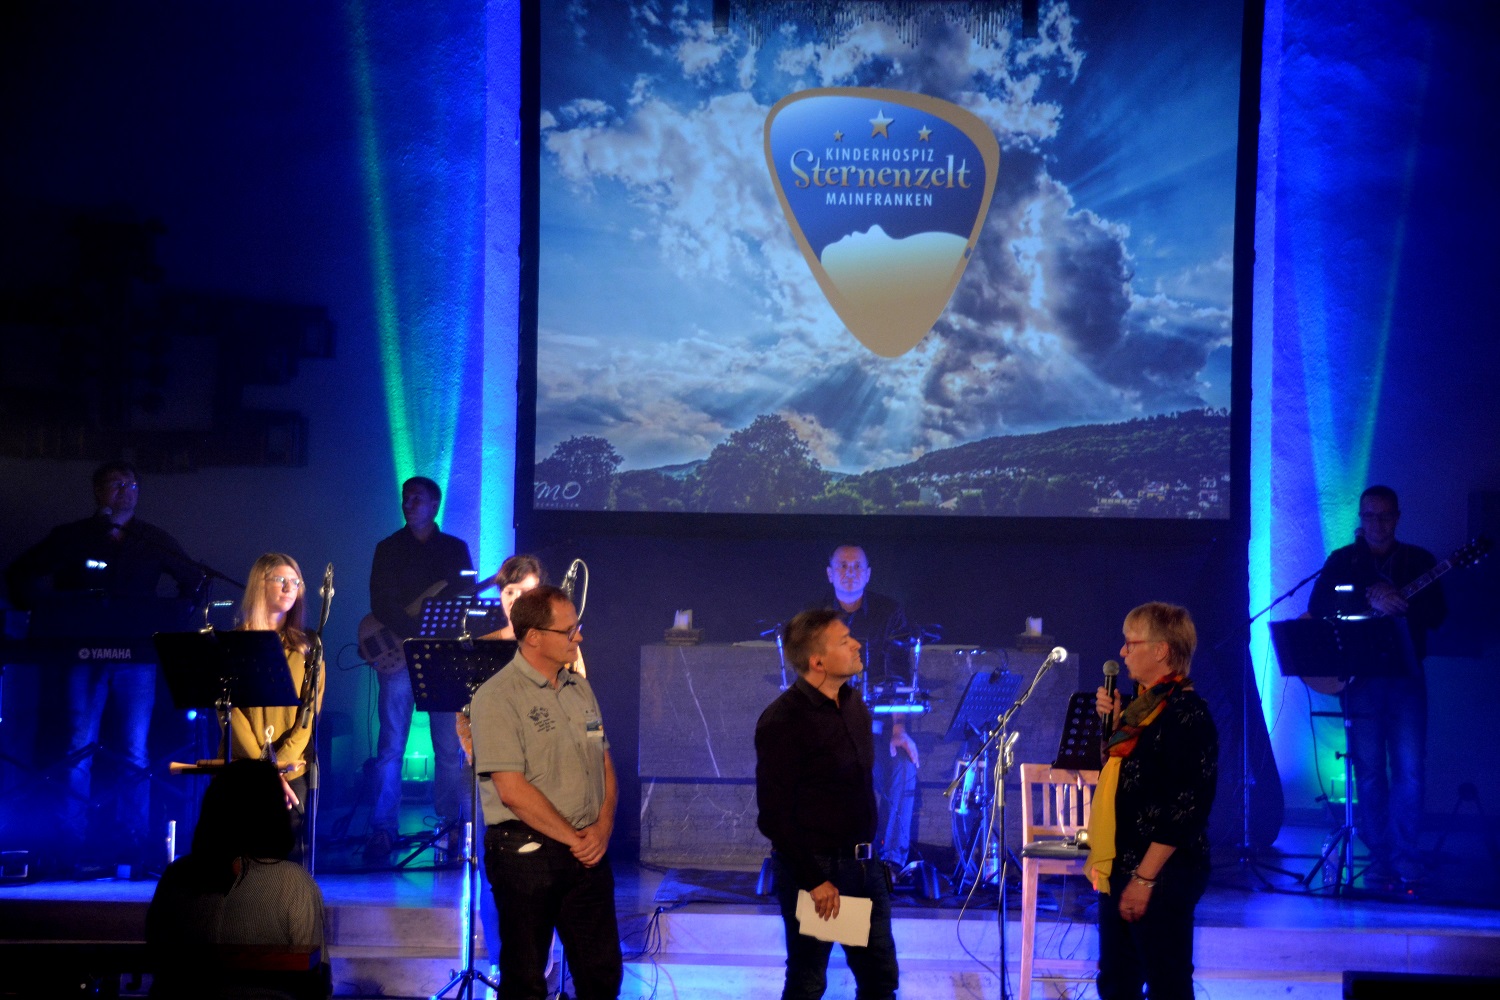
(1338, 850)
(445, 675)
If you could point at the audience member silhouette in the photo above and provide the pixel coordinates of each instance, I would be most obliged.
(235, 918)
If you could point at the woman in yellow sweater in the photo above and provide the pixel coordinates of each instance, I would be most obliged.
(275, 601)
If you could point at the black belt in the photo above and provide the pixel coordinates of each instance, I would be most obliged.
(512, 826)
(859, 852)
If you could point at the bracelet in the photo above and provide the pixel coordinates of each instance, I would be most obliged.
(1149, 883)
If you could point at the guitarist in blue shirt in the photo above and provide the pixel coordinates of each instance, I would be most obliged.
(1387, 715)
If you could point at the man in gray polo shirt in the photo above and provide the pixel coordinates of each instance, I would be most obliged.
(549, 807)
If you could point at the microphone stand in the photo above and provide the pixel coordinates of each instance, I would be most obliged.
(313, 669)
(1000, 735)
(775, 632)
(1248, 859)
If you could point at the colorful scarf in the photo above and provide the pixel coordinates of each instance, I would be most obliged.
(1140, 713)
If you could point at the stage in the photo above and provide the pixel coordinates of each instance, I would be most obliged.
(704, 934)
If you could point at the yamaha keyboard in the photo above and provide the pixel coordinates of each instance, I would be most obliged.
(90, 628)
(76, 652)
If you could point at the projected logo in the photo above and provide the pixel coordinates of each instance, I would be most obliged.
(885, 192)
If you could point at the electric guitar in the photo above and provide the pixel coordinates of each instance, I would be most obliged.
(1465, 555)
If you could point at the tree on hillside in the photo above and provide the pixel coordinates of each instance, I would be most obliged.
(762, 468)
(579, 474)
(647, 489)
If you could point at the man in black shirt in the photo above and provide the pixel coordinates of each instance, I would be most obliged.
(415, 563)
(814, 784)
(879, 623)
(1387, 715)
(118, 561)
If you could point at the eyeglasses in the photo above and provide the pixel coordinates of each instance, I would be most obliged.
(571, 633)
(1137, 642)
(286, 582)
(130, 487)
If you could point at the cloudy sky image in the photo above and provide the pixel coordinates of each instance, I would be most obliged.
(674, 305)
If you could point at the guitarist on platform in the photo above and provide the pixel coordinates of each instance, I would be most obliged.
(1387, 716)
(411, 565)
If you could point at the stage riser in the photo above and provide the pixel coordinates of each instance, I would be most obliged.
(364, 933)
(1221, 952)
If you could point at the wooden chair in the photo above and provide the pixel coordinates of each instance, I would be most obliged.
(1054, 807)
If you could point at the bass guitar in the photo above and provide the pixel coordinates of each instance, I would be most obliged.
(380, 647)
(1464, 555)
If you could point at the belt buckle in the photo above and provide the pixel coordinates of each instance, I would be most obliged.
(863, 852)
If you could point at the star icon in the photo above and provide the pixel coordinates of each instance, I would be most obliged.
(838, 135)
(880, 125)
(924, 134)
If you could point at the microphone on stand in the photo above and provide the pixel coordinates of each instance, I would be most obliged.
(1057, 655)
(309, 683)
(570, 584)
(1111, 671)
(314, 659)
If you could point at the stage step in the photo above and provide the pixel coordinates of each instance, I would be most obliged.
(720, 936)
(397, 934)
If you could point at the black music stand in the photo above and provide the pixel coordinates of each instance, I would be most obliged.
(1083, 731)
(453, 617)
(445, 673)
(213, 669)
(448, 618)
(1342, 647)
(985, 699)
(216, 670)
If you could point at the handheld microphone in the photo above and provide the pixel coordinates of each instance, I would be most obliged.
(1111, 671)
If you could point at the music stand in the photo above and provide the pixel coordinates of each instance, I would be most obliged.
(446, 618)
(214, 669)
(985, 699)
(450, 617)
(445, 673)
(1082, 732)
(1343, 647)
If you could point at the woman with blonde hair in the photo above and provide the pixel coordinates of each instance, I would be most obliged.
(1148, 832)
(275, 601)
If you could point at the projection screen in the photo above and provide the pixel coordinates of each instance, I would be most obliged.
(886, 258)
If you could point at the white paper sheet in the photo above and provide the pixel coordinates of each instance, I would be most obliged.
(851, 926)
